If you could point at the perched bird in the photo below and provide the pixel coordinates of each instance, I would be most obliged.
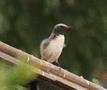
(51, 47)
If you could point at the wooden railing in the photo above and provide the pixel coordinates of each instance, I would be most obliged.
(47, 70)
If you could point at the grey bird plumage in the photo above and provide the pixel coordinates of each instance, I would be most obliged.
(51, 47)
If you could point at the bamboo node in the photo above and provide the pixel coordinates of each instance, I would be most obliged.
(81, 77)
(43, 73)
(64, 74)
(28, 60)
(88, 83)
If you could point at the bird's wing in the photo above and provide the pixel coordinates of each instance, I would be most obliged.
(44, 44)
(64, 45)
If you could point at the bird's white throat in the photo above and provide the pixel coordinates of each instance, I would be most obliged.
(58, 41)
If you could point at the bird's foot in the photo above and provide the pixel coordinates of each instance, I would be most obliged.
(60, 69)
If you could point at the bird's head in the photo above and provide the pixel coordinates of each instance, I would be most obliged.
(60, 29)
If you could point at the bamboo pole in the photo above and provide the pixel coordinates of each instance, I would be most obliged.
(44, 75)
(49, 68)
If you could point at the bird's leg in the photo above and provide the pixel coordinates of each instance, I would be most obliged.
(59, 65)
(60, 68)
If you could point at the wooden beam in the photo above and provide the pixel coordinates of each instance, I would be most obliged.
(49, 68)
(44, 75)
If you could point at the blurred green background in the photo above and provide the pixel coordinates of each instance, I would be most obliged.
(25, 23)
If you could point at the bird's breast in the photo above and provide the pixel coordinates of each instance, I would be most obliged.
(55, 48)
(57, 42)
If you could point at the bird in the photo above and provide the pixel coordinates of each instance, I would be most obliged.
(52, 47)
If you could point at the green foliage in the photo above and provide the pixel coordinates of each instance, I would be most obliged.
(51, 6)
(12, 78)
(94, 80)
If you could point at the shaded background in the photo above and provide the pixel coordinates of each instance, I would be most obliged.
(24, 24)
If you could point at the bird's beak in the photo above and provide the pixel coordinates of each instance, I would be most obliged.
(69, 27)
